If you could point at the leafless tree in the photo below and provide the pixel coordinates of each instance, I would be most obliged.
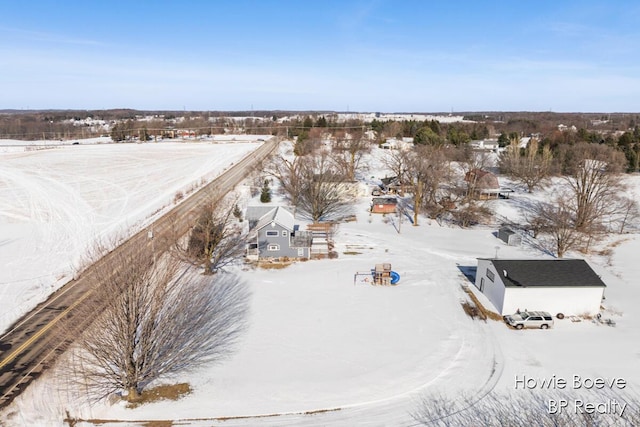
(470, 161)
(627, 212)
(289, 175)
(591, 202)
(154, 319)
(325, 194)
(471, 214)
(392, 129)
(529, 166)
(397, 161)
(426, 168)
(594, 178)
(348, 153)
(215, 241)
(557, 219)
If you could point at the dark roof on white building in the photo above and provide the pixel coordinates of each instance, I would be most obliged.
(546, 273)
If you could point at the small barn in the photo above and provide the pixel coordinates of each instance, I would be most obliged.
(384, 205)
(567, 286)
(509, 236)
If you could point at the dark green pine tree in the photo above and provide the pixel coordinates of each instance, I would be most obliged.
(265, 195)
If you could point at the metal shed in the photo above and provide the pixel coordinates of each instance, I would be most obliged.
(509, 236)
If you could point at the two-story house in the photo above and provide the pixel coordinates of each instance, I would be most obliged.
(275, 235)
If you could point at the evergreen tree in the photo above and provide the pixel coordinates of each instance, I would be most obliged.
(237, 212)
(377, 125)
(302, 146)
(118, 133)
(321, 122)
(503, 140)
(426, 136)
(265, 195)
(308, 123)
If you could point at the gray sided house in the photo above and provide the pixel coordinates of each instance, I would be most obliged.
(275, 235)
(567, 286)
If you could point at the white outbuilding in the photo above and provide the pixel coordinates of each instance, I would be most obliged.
(567, 286)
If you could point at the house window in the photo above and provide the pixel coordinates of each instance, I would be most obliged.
(490, 275)
(273, 247)
(272, 233)
(300, 252)
(284, 233)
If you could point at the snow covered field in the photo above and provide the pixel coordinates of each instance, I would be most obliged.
(56, 201)
(367, 354)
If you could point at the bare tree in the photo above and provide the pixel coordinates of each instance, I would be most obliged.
(392, 129)
(324, 191)
(397, 161)
(592, 201)
(154, 321)
(348, 153)
(427, 167)
(215, 241)
(471, 214)
(626, 212)
(288, 173)
(529, 166)
(557, 219)
(595, 180)
(470, 163)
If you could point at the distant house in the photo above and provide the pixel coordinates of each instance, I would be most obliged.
(275, 235)
(389, 144)
(485, 145)
(396, 144)
(484, 185)
(567, 286)
(391, 185)
(384, 204)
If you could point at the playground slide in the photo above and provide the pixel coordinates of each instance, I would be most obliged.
(395, 277)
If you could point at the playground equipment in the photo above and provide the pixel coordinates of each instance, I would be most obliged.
(380, 275)
(395, 278)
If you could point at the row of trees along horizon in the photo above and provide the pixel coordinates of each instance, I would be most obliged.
(621, 131)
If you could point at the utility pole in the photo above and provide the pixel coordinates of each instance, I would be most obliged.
(153, 249)
(399, 215)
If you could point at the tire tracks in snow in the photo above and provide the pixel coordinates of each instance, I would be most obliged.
(460, 356)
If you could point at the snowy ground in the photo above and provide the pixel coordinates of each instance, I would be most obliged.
(317, 341)
(56, 201)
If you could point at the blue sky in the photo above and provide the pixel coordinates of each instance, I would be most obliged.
(376, 55)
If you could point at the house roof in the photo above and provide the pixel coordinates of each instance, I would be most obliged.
(254, 213)
(546, 273)
(280, 216)
(384, 201)
(390, 180)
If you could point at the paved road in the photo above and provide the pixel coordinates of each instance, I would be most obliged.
(35, 341)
